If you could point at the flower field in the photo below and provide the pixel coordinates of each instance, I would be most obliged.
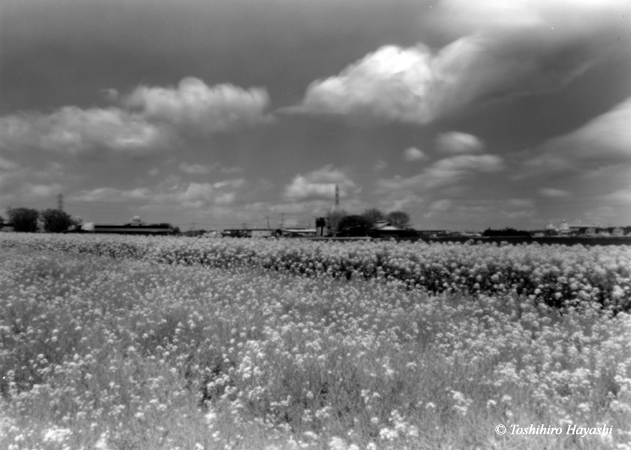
(132, 353)
(556, 275)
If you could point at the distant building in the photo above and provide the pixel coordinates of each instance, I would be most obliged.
(236, 232)
(6, 227)
(578, 228)
(429, 233)
(299, 232)
(387, 229)
(136, 226)
(261, 232)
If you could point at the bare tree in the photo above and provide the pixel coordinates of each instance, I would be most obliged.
(373, 215)
(399, 218)
(333, 220)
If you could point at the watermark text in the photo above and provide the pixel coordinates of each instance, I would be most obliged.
(571, 429)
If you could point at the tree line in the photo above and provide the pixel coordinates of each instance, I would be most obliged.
(25, 220)
(345, 224)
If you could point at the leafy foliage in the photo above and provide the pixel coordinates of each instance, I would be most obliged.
(354, 226)
(56, 221)
(24, 219)
(505, 232)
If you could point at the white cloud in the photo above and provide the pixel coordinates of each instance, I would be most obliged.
(195, 195)
(605, 140)
(456, 142)
(320, 184)
(441, 173)
(477, 212)
(110, 94)
(195, 192)
(441, 205)
(499, 49)
(196, 169)
(231, 170)
(481, 163)
(380, 165)
(564, 17)
(415, 85)
(554, 193)
(622, 195)
(194, 105)
(391, 83)
(414, 154)
(40, 190)
(74, 131)
(7, 165)
(147, 120)
(108, 194)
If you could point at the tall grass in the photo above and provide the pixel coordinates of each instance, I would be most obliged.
(101, 353)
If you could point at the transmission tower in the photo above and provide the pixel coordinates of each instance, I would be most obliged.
(60, 201)
(337, 197)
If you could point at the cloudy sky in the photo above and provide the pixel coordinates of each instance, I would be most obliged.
(465, 114)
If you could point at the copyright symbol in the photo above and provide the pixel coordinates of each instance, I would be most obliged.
(500, 429)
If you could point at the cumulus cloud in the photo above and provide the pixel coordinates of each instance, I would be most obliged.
(7, 165)
(441, 173)
(110, 94)
(195, 105)
(416, 85)
(24, 183)
(566, 18)
(108, 194)
(440, 205)
(231, 170)
(475, 212)
(380, 165)
(485, 60)
(414, 154)
(554, 193)
(73, 130)
(391, 83)
(481, 163)
(622, 195)
(182, 194)
(147, 120)
(456, 142)
(603, 141)
(320, 184)
(196, 169)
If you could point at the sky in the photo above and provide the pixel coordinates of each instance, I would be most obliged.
(213, 114)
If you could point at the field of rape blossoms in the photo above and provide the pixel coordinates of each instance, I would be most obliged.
(556, 275)
(110, 343)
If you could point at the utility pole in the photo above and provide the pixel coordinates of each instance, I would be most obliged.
(268, 227)
(282, 221)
